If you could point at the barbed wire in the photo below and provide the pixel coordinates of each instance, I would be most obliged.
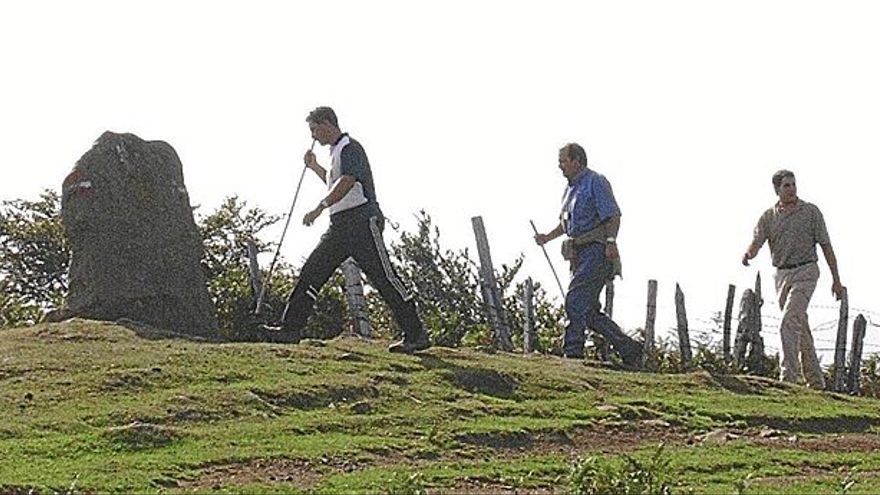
(713, 335)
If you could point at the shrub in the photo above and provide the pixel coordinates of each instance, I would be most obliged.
(34, 258)
(622, 475)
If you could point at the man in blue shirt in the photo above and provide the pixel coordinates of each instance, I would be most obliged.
(590, 218)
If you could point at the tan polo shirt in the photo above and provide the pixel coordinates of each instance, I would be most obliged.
(793, 233)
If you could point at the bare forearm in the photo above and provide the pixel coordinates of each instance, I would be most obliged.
(831, 259)
(340, 189)
(753, 249)
(542, 239)
(320, 171)
(751, 252)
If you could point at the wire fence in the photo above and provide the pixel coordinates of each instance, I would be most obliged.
(711, 332)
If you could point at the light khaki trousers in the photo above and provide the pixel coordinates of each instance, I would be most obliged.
(795, 286)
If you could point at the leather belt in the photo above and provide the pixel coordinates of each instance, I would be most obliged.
(795, 265)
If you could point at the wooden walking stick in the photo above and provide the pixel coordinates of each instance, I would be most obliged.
(561, 290)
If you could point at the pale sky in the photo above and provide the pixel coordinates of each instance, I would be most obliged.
(688, 107)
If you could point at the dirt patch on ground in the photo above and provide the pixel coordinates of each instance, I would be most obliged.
(836, 476)
(303, 474)
(77, 331)
(502, 440)
(18, 490)
(839, 424)
(313, 399)
(599, 439)
(487, 487)
(862, 442)
(139, 436)
(129, 380)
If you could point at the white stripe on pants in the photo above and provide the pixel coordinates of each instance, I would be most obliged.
(795, 287)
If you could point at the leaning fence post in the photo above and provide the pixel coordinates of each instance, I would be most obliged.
(649, 321)
(759, 301)
(609, 298)
(840, 346)
(254, 268)
(529, 317)
(684, 341)
(490, 288)
(855, 358)
(728, 315)
(357, 306)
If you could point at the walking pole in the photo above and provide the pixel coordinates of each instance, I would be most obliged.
(283, 233)
(561, 291)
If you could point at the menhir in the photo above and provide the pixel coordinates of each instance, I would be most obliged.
(135, 248)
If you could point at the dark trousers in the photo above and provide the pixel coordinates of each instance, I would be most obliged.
(355, 233)
(582, 307)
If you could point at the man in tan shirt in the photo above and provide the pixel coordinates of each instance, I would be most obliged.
(793, 227)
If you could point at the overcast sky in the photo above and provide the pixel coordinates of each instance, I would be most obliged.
(687, 107)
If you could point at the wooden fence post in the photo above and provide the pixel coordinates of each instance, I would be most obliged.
(357, 305)
(839, 369)
(743, 331)
(759, 301)
(609, 298)
(254, 267)
(684, 341)
(855, 358)
(649, 321)
(728, 315)
(492, 295)
(529, 317)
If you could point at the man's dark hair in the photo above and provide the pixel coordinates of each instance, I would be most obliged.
(779, 176)
(322, 114)
(575, 151)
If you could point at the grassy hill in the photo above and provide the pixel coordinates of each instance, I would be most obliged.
(95, 407)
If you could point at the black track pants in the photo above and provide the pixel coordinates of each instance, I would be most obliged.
(356, 234)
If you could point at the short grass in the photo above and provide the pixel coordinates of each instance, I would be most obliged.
(96, 407)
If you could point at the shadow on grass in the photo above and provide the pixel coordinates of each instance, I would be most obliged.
(736, 385)
(474, 379)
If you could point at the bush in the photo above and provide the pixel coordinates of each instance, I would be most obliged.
(34, 259)
(624, 475)
(870, 379)
(445, 282)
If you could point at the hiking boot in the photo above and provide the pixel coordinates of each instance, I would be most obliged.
(270, 333)
(409, 346)
(633, 361)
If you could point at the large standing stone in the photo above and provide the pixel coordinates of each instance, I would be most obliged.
(135, 248)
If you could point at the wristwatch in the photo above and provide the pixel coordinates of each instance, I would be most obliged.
(610, 240)
(324, 203)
